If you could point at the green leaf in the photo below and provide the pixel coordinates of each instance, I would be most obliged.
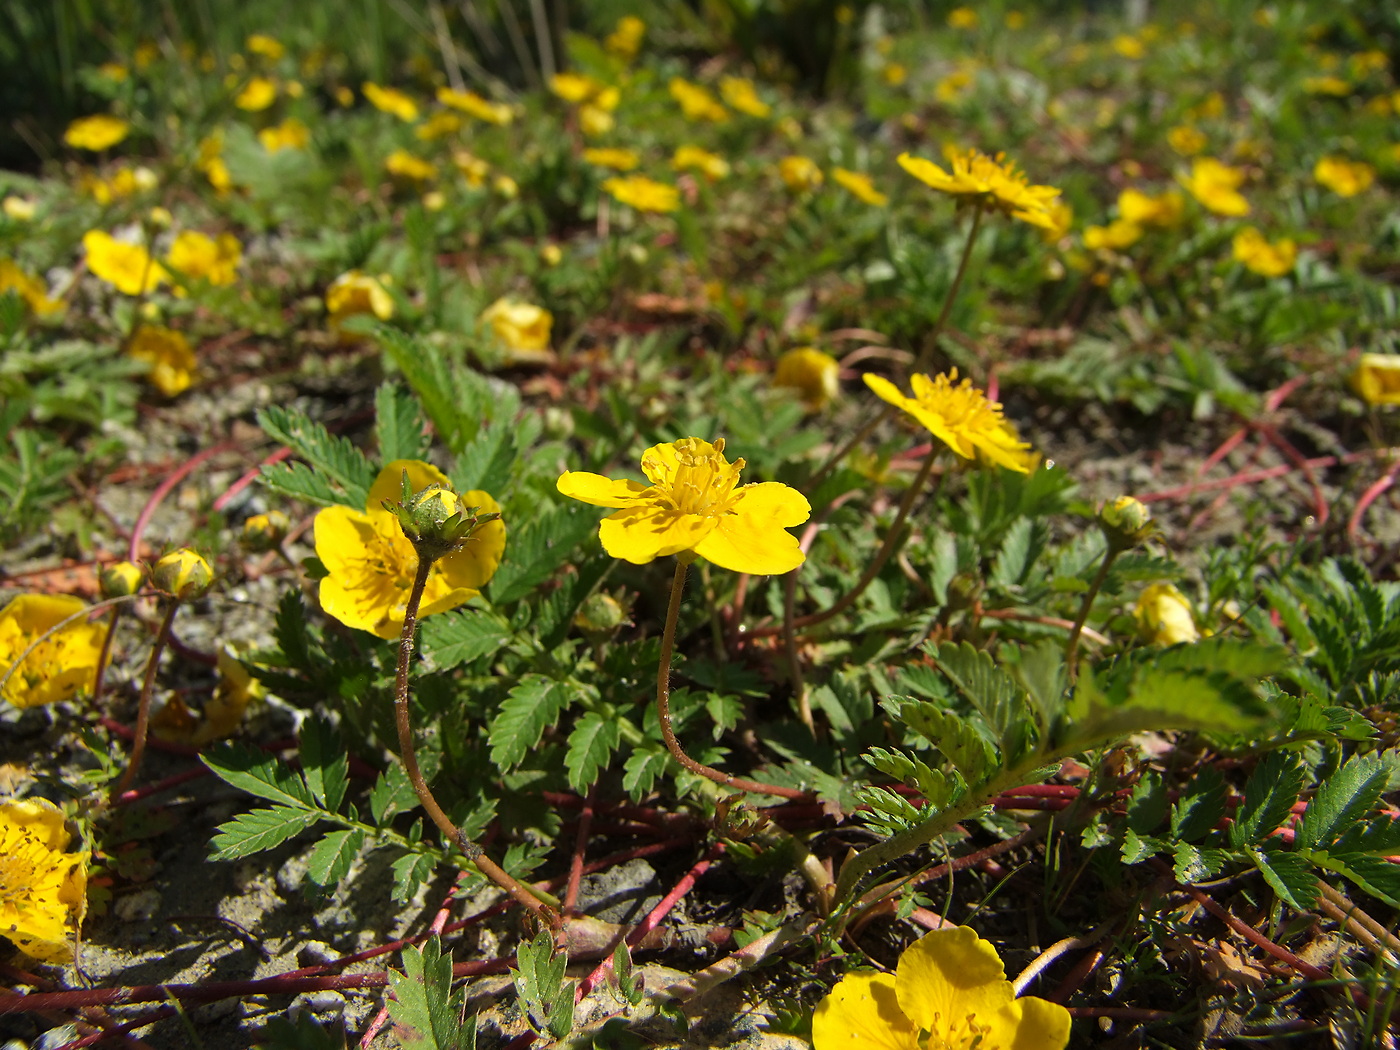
(1147, 807)
(643, 766)
(1376, 875)
(333, 855)
(1040, 670)
(398, 425)
(1269, 795)
(989, 689)
(487, 461)
(936, 788)
(958, 740)
(1201, 807)
(258, 773)
(291, 632)
(324, 762)
(452, 639)
(1341, 801)
(1193, 865)
(591, 745)
(298, 481)
(547, 1000)
(392, 793)
(1288, 874)
(260, 829)
(335, 458)
(539, 547)
(411, 871)
(1020, 547)
(424, 1001)
(532, 705)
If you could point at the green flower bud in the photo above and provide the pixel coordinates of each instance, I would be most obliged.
(120, 579)
(600, 615)
(1126, 522)
(263, 532)
(183, 575)
(435, 520)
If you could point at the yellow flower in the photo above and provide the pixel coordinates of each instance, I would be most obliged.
(114, 71)
(953, 86)
(991, 181)
(290, 134)
(391, 100)
(643, 193)
(696, 102)
(1216, 187)
(813, 374)
(595, 120)
(574, 87)
(264, 532)
(472, 168)
(963, 18)
(859, 185)
(472, 104)
(800, 174)
(262, 44)
(371, 563)
(741, 94)
(439, 125)
(1327, 86)
(695, 503)
(221, 714)
(169, 355)
(43, 887)
(128, 267)
(123, 183)
(960, 416)
(949, 991)
(506, 187)
(96, 133)
(1061, 219)
(1164, 616)
(519, 326)
(30, 289)
(1142, 209)
(894, 73)
(404, 165)
(210, 161)
(1343, 177)
(357, 293)
(1116, 236)
(257, 95)
(626, 40)
(60, 666)
(616, 159)
(1186, 140)
(183, 574)
(1130, 47)
(693, 158)
(19, 209)
(1260, 256)
(196, 255)
(1377, 379)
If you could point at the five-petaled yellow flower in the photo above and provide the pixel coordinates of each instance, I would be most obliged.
(519, 326)
(1262, 256)
(354, 293)
(61, 665)
(960, 416)
(695, 503)
(168, 352)
(815, 375)
(948, 992)
(1216, 187)
(1377, 379)
(197, 255)
(43, 887)
(693, 158)
(391, 100)
(644, 194)
(127, 267)
(290, 134)
(472, 104)
(96, 133)
(1345, 178)
(30, 289)
(993, 182)
(371, 563)
(612, 157)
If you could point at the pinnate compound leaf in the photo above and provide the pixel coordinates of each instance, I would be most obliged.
(1288, 874)
(534, 703)
(411, 871)
(643, 766)
(983, 684)
(332, 857)
(258, 773)
(324, 763)
(425, 1002)
(260, 829)
(335, 458)
(1269, 795)
(1201, 807)
(457, 638)
(591, 745)
(1341, 800)
(398, 424)
(539, 981)
(392, 793)
(959, 741)
(538, 548)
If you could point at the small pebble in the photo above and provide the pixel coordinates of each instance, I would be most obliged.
(316, 953)
(138, 906)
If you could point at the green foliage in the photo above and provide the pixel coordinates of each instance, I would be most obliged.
(335, 471)
(425, 1002)
(546, 998)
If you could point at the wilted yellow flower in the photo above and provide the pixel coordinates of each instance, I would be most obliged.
(168, 353)
(472, 104)
(859, 185)
(1377, 379)
(344, 97)
(194, 254)
(948, 991)
(471, 167)
(128, 267)
(960, 416)
(290, 134)
(262, 44)
(1130, 47)
(439, 125)
(124, 182)
(371, 562)
(963, 18)
(644, 194)
(1258, 254)
(20, 209)
(43, 887)
(96, 133)
(1344, 177)
(355, 293)
(114, 71)
(1216, 186)
(519, 326)
(813, 374)
(1164, 616)
(1142, 209)
(693, 158)
(574, 87)
(1116, 236)
(257, 95)
(991, 181)
(626, 40)
(741, 94)
(221, 714)
(1327, 86)
(391, 100)
(696, 102)
(551, 254)
(695, 503)
(1186, 140)
(800, 174)
(404, 165)
(62, 665)
(30, 289)
(616, 159)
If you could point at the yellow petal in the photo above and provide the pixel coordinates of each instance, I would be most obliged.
(389, 484)
(949, 976)
(1031, 1024)
(754, 538)
(643, 533)
(340, 534)
(862, 1013)
(476, 562)
(598, 490)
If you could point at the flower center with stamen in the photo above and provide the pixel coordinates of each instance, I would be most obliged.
(704, 480)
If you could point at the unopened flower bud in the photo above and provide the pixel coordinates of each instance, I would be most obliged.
(120, 579)
(183, 575)
(263, 532)
(600, 615)
(1126, 522)
(435, 520)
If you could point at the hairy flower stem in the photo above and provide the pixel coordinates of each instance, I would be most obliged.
(1072, 646)
(931, 343)
(663, 704)
(409, 756)
(143, 710)
(105, 655)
